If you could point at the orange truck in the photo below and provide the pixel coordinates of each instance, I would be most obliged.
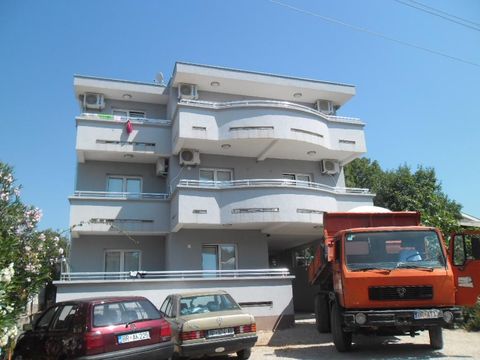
(383, 273)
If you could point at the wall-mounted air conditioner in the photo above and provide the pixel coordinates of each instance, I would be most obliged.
(93, 101)
(189, 157)
(161, 168)
(187, 91)
(329, 167)
(325, 106)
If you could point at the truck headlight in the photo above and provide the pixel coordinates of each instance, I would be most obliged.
(448, 316)
(360, 318)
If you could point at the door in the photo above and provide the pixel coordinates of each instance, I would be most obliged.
(465, 259)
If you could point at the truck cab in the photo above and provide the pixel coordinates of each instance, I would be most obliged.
(385, 274)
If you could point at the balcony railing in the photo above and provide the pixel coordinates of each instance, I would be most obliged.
(250, 183)
(117, 118)
(268, 103)
(185, 274)
(120, 195)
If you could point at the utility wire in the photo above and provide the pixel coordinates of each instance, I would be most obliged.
(445, 13)
(374, 33)
(436, 13)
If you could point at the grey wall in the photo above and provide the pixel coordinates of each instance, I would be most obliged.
(92, 175)
(184, 248)
(87, 252)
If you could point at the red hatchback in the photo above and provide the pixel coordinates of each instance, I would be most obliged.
(100, 328)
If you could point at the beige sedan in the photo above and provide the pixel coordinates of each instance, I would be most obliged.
(209, 323)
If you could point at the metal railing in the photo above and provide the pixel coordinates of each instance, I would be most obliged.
(268, 103)
(269, 183)
(122, 119)
(120, 195)
(176, 275)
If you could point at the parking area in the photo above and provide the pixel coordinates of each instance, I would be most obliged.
(304, 342)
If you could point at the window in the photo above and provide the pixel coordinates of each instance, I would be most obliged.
(296, 177)
(122, 260)
(219, 257)
(128, 184)
(65, 318)
(216, 175)
(129, 113)
(46, 318)
(123, 312)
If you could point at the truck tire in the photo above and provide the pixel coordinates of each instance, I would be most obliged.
(322, 313)
(341, 338)
(436, 337)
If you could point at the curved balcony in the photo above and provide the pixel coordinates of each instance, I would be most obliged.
(266, 129)
(104, 137)
(274, 206)
(107, 213)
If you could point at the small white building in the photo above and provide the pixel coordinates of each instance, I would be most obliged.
(209, 181)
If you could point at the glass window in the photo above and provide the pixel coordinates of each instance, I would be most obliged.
(124, 184)
(296, 177)
(65, 317)
(122, 113)
(207, 175)
(216, 174)
(46, 318)
(137, 114)
(223, 175)
(133, 185)
(122, 260)
(219, 257)
(206, 303)
(123, 312)
(115, 184)
(227, 257)
(209, 257)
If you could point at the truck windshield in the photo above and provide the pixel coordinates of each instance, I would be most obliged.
(393, 250)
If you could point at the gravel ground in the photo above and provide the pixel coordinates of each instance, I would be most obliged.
(304, 342)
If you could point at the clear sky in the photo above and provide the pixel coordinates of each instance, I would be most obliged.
(420, 108)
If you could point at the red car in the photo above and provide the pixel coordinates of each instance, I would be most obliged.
(101, 328)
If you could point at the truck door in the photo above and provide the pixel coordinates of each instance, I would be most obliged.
(465, 260)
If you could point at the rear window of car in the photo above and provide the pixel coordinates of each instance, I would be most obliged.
(206, 303)
(122, 312)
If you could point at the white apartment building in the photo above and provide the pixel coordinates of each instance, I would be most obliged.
(207, 181)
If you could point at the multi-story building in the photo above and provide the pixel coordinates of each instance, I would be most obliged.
(212, 176)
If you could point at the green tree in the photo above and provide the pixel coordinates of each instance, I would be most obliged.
(27, 256)
(405, 190)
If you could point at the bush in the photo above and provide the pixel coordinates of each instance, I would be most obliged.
(472, 318)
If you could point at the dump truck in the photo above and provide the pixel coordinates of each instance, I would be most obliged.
(385, 274)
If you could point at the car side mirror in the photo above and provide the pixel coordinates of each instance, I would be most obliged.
(27, 327)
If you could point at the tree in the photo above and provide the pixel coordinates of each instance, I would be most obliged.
(404, 190)
(27, 256)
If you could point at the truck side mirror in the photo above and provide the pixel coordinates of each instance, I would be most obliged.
(476, 248)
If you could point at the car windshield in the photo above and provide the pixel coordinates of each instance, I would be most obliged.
(389, 250)
(123, 312)
(206, 303)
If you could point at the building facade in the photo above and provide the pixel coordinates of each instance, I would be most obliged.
(220, 171)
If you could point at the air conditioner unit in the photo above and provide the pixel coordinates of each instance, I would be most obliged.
(161, 168)
(325, 106)
(330, 167)
(187, 91)
(93, 101)
(189, 157)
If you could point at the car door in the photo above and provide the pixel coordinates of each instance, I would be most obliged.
(465, 259)
(60, 337)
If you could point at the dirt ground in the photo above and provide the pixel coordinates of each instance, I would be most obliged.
(304, 342)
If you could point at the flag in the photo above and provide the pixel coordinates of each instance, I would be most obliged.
(129, 126)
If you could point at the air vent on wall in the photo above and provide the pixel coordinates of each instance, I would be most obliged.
(189, 157)
(93, 101)
(329, 167)
(187, 91)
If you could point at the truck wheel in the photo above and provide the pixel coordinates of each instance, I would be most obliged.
(341, 338)
(436, 337)
(322, 316)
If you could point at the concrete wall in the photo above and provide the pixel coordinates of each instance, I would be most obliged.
(87, 252)
(278, 291)
(184, 248)
(92, 175)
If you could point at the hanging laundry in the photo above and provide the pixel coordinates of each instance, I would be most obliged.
(129, 126)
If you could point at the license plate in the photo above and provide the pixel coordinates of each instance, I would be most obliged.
(427, 314)
(220, 332)
(144, 335)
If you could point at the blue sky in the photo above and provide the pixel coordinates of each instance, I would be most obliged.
(420, 109)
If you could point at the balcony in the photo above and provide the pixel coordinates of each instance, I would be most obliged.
(104, 137)
(94, 212)
(274, 206)
(266, 129)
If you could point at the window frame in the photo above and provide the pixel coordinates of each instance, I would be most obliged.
(122, 259)
(215, 171)
(218, 245)
(125, 179)
(129, 111)
(296, 175)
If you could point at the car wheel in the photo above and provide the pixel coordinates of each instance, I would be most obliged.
(322, 318)
(244, 354)
(341, 338)
(436, 337)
